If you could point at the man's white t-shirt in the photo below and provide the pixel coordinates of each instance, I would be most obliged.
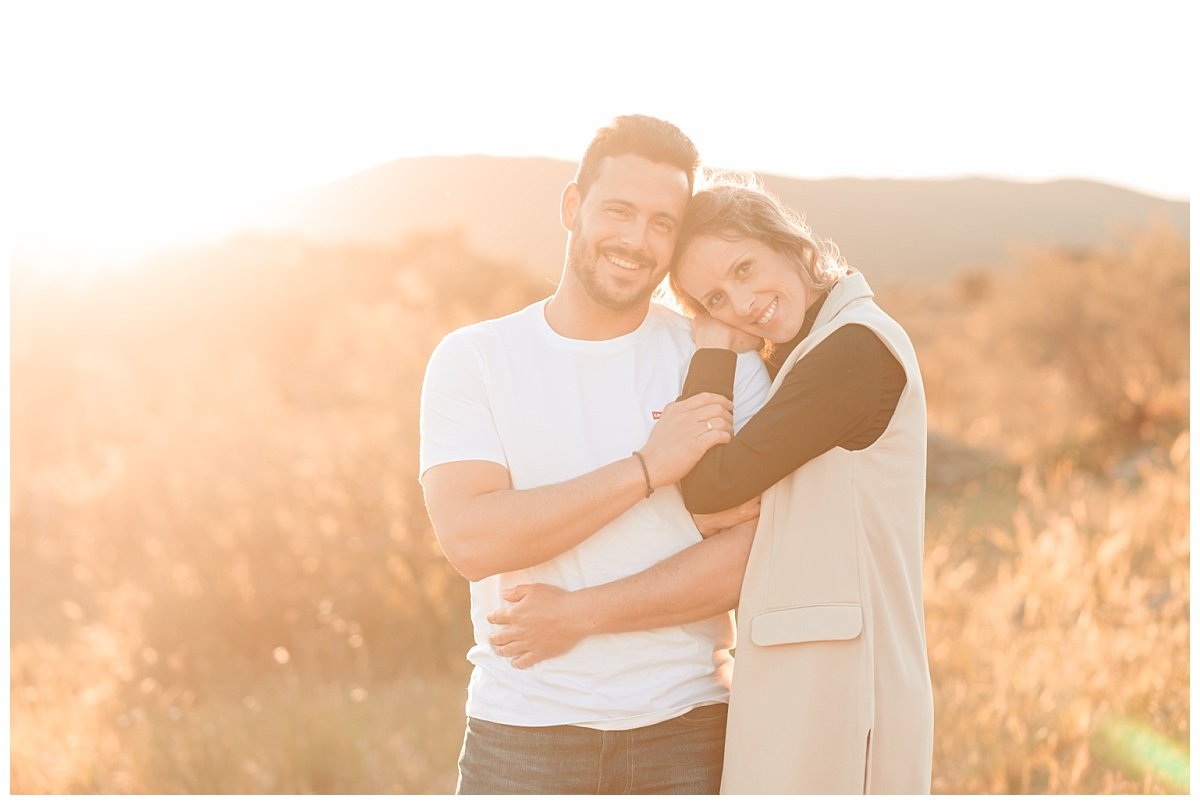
(515, 392)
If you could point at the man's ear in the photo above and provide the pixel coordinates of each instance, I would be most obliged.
(570, 205)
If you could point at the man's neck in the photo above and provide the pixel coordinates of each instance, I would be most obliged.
(572, 313)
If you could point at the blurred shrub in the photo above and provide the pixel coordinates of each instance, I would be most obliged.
(214, 474)
(1082, 353)
(1112, 324)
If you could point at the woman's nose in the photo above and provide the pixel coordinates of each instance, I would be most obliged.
(743, 302)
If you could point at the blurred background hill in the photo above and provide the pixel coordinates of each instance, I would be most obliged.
(223, 579)
(896, 230)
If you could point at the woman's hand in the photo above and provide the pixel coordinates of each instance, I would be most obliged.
(708, 333)
(540, 624)
(682, 435)
(709, 524)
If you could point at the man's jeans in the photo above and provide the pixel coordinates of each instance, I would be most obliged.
(679, 756)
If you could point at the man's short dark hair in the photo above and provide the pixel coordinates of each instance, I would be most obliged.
(641, 135)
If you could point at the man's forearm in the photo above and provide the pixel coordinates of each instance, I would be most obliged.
(697, 583)
(506, 529)
(486, 527)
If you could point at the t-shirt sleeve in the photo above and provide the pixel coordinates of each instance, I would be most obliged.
(456, 414)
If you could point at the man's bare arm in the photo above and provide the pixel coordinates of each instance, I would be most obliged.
(486, 527)
(697, 583)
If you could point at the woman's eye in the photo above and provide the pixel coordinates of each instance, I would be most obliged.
(742, 269)
(715, 300)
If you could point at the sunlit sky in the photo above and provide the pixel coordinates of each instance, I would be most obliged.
(136, 123)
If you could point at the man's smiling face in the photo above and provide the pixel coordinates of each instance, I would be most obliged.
(623, 230)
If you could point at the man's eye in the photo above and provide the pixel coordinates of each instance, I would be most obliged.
(663, 226)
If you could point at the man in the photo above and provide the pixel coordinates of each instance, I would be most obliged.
(538, 466)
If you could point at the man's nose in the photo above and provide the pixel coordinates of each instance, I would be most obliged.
(633, 236)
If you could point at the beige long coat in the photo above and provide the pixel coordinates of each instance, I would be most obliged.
(831, 689)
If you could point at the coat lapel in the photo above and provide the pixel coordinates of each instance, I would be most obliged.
(849, 289)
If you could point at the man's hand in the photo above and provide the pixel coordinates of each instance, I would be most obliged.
(684, 432)
(709, 524)
(540, 624)
(700, 582)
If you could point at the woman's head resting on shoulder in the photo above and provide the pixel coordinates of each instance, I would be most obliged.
(748, 261)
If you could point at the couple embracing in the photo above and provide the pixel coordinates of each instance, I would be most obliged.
(614, 478)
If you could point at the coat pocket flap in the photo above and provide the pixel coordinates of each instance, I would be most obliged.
(807, 624)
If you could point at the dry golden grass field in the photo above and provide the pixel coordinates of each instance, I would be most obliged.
(223, 579)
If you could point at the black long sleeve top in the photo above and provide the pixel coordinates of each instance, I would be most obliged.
(841, 394)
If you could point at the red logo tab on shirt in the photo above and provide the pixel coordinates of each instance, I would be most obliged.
(656, 414)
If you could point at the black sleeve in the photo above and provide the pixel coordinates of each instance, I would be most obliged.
(829, 398)
(710, 370)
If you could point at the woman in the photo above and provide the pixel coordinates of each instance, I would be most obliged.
(831, 688)
(831, 684)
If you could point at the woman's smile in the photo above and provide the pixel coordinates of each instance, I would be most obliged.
(769, 314)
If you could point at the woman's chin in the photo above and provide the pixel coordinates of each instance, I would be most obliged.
(780, 335)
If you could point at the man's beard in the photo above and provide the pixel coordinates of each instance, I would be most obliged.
(582, 261)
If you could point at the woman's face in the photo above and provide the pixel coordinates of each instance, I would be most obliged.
(746, 284)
